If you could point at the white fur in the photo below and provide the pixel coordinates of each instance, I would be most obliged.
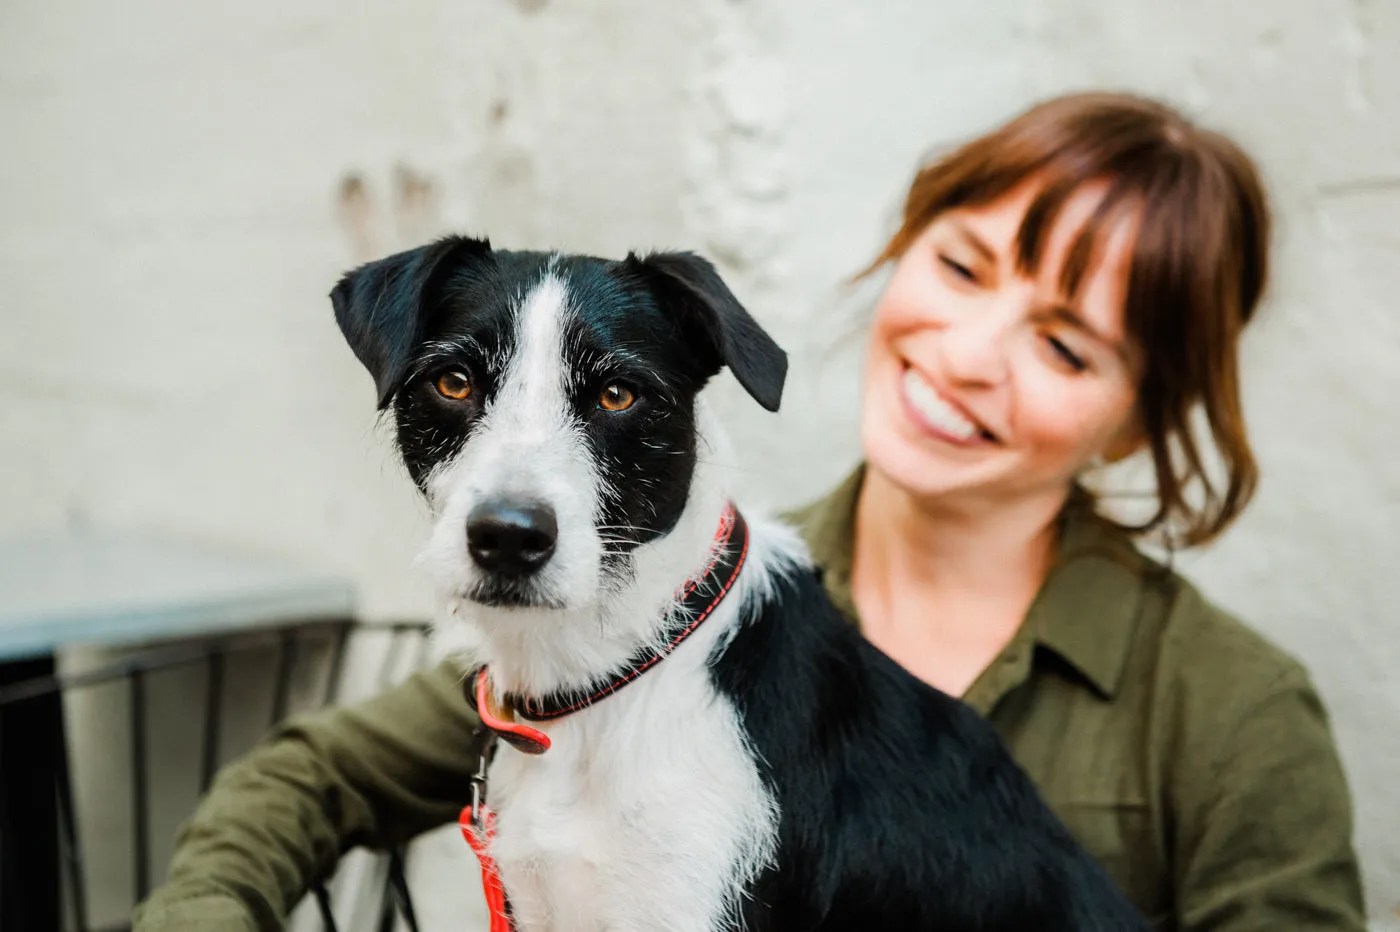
(526, 446)
(648, 811)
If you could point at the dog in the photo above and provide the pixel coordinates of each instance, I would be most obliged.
(698, 740)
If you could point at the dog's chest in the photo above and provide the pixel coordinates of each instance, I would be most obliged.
(647, 812)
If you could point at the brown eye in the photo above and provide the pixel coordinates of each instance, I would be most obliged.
(616, 398)
(454, 385)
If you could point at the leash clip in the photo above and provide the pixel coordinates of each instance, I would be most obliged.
(478, 782)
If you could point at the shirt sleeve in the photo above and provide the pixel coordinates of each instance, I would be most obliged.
(1264, 830)
(277, 820)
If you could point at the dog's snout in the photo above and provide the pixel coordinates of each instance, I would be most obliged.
(511, 537)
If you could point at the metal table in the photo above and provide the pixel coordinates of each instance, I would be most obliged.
(113, 590)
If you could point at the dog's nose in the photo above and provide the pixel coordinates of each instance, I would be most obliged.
(511, 537)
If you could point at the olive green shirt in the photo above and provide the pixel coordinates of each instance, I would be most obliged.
(1193, 758)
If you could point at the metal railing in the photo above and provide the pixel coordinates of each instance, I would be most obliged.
(39, 702)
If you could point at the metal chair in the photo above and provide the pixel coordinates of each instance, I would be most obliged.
(48, 692)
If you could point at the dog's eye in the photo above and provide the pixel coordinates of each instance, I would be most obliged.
(454, 385)
(616, 398)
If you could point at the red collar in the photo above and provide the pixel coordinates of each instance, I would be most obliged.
(697, 600)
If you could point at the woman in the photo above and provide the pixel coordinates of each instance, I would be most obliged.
(1065, 291)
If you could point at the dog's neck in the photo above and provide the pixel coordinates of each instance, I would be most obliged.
(540, 651)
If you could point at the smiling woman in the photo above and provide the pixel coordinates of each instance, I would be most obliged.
(1068, 290)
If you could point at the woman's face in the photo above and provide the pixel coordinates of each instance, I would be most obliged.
(983, 382)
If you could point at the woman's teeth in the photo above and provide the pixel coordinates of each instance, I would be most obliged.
(935, 410)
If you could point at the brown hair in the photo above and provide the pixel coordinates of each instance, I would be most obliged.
(1198, 268)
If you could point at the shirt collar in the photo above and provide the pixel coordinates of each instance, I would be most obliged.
(1085, 612)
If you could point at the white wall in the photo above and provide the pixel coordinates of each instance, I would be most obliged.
(181, 184)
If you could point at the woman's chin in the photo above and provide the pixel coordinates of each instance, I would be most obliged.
(924, 472)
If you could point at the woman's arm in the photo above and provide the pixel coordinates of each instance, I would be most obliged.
(1264, 829)
(277, 820)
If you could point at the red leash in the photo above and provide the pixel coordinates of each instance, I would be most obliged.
(479, 837)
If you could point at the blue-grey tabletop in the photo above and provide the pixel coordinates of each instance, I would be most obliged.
(107, 588)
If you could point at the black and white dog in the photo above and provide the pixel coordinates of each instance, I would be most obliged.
(775, 771)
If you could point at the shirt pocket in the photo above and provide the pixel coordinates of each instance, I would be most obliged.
(1121, 836)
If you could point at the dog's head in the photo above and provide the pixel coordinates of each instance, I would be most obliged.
(546, 405)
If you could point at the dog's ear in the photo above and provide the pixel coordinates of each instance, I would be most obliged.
(381, 310)
(726, 330)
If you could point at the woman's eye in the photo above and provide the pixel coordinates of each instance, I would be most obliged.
(617, 397)
(1067, 354)
(957, 268)
(454, 385)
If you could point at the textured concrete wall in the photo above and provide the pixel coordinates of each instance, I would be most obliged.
(182, 184)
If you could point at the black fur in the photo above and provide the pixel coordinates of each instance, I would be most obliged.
(380, 307)
(901, 808)
(719, 324)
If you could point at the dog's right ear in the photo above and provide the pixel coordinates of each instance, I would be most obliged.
(381, 310)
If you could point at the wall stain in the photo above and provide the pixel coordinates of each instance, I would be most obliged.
(355, 210)
(413, 212)
(416, 202)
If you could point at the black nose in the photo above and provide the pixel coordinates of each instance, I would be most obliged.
(511, 537)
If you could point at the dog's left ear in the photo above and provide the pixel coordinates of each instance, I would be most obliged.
(690, 282)
(381, 310)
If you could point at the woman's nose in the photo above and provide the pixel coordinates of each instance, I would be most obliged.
(974, 345)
